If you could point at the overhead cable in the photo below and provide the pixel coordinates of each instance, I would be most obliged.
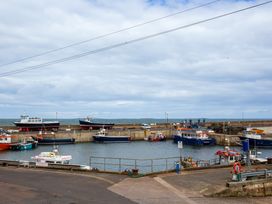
(108, 34)
(4, 74)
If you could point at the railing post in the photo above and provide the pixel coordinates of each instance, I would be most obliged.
(119, 164)
(135, 163)
(166, 164)
(104, 163)
(90, 161)
(151, 165)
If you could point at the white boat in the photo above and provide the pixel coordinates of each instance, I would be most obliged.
(52, 157)
(35, 124)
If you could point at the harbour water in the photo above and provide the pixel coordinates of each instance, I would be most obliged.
(135, 150)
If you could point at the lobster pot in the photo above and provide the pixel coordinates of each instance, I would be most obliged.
(245, 145)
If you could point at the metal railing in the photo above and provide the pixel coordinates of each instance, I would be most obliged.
(143, 166)
(260, 173)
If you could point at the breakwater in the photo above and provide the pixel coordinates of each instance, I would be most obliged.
(136, 133)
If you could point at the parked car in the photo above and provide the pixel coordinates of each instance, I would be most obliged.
(145, 126)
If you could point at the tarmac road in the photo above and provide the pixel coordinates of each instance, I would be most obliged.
(25, 186)
(22, 185)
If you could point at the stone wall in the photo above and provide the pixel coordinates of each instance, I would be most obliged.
(258, 188)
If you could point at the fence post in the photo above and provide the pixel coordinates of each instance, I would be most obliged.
(104, 163)
(135, 164)
(151, 165)
(166, 164)
(119, 164)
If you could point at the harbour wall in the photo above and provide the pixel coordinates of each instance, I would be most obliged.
(86, 135)
(255, 188)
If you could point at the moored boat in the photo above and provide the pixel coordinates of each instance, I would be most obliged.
(24, 146)
(156, 137)
(36, 124)
(193, 137)
(102, 136)
(87, 124)
(256, 138)
(228, 156)
(5, 140)
(47, 139)
(52, 157)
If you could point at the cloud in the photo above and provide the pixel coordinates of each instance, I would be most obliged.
(216, 69)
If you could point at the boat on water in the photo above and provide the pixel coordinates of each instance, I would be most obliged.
(256, 138)
(49, 139)
(193, 137)
(156, 137)
(52, 157)
(87, 124)
(102, 136)
(5, 140)
(36, 124)
(28, 145)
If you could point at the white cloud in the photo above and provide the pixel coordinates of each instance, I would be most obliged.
(215, 69)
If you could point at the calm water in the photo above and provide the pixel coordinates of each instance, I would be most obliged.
(135, 150)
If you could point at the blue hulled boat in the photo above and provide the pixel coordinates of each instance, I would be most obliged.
(24, 146)
(193, 137)
(102, 136)
(256, 139)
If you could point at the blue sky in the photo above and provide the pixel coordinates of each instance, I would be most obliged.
(220, 69)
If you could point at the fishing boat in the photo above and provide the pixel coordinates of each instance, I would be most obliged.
(5, 140)
(256, 138)
(44, 138)
(193, 137)
(24, 146)
(156, 137)
(102, 136)
(52, 157)
(87, 124)
(228, 156)
(36, 124)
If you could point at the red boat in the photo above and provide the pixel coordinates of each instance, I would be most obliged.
(228, 156)
(5, 141)
(156, 137)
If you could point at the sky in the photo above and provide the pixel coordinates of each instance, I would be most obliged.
(218, 69)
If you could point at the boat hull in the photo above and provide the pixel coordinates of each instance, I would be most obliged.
(86, 125)
(54, 141)
(111, 138)
(194, 141)
(49, 126)
(23, 146)
(258, 142)
(4, 146)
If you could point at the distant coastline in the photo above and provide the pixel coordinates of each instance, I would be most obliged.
(75, 121)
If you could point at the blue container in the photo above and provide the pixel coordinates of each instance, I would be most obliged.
(245, 145)
(177, 167)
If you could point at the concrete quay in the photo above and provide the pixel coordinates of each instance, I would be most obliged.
(21, 185)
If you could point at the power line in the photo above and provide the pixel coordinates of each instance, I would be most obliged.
(108, 34)
(4, 74)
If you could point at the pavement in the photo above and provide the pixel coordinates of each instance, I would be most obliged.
(20, 185)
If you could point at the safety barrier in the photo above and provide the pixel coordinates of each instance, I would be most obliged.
(264, 173)
(143, 166)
